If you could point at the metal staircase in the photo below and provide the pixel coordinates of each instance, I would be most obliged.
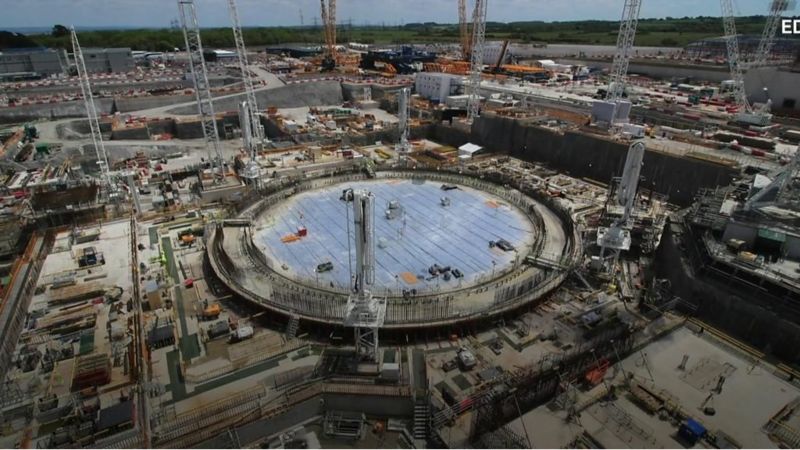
(421, 418)
(292, 326)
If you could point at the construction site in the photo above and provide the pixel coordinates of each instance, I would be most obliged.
(478, 245)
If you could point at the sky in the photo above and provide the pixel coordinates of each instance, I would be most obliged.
(214, 13)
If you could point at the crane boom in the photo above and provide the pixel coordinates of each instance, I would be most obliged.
(622, 57)
(91, 112)
(776, 9)
(476, 60)
(256, 135)
(734, 56)
(202, 89)
(328, 15)
(463, 26)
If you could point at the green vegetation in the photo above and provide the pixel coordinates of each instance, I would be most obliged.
(651, 32)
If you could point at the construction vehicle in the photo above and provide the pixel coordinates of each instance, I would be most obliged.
(500, 58)
(329, 32)
(210, 312)
(241, 334)
(325, 267)
(218, 329)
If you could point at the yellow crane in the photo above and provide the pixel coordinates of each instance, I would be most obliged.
(465, 35)
(329, 31)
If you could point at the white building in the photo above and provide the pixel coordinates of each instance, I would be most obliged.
(438, 86)
(491, 53)
(469, 150)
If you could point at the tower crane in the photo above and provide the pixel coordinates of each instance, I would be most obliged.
(476, 60)
(747, 113)
(608, 110)
(364, 313)
(617, 237)
(622, 57)
(782, 191)
(776, 10)
(91, 112)
(403, 107)
(202, 89)
(463, 26)
(329, 30)
(252, 130)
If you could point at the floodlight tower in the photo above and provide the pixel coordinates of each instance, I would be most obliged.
(618, 236)
(403, 106)
(476, 61)
(364, 312)
(91, 112)
(202, 89)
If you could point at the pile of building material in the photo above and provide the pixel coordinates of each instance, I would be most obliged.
(91, 370)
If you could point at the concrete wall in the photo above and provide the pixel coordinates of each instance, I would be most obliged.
(588, 156)
(193, 129)
(656, 70)
(743, 313)
(371, 405)
(289, 96)
(43, 62)
(125, 105)
(53, 110)
(782, 87)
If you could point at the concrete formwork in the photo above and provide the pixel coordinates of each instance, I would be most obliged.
(249, 273)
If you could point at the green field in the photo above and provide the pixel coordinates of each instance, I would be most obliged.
(651, 32)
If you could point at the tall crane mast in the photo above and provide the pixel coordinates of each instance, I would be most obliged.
(463, 27)
(776, 9)
(328, 16)
(91, 112)
(403, 106)
(617, 237)
(255, 138)
(746, 113)
(476, 60)
(622, 57)
(734, 56)
(364, 313)
(202, 89)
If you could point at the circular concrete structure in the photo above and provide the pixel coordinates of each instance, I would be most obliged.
(418, 226)
(289, 251)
